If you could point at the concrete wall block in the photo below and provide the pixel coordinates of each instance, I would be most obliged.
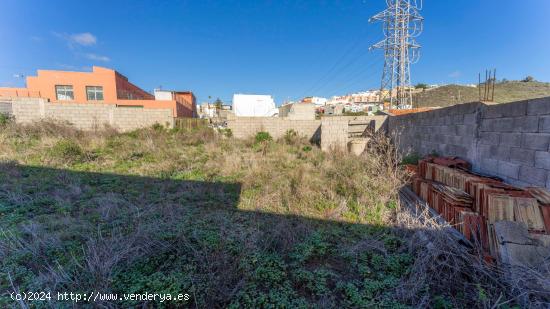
(503, 124)
(487, 125)
(501, 152)
(467, 141)
(536, 141)
(470, 119)
(484, 152)
(458, 119)
(465, 130)
(490, 165)
(539, 106)
(508, 169)
(526, 124)
(511, 139)
(544, 124)
(489, 138)
(533, 176)
(542, 159)
(515, 109)
(524, 156)
(458, 151)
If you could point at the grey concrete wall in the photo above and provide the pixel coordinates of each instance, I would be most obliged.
(332, 131)
(336, 130)
(510, 140)
(448, 131)
(5, 108)
(244, 127)
(91, 116)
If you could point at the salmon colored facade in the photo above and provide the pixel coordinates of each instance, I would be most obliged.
(102, 85)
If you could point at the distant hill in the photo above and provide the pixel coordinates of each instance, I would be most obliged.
(504, 92)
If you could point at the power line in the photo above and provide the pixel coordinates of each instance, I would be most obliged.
(356, 75)
(402, 23)
(337, 66)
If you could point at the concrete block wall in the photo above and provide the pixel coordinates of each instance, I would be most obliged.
(335, 129)
(245, 127)
(510, 140)
(514, 142)
(5, 108)
(91, 116)
(332, 132)
(448, 131)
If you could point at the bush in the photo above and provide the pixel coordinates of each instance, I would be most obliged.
(263, 137)
(66, 149)
(226, 132)
(421, 86)
(4, 119)
(528, 79)
(290, 137)
(158, 127)
(412, 158)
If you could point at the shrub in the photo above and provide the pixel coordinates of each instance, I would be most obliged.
(263, 137)
(66, 149)
(226, 132)
(421, 86)
(291, 137)
(528, 79)
(262, 141)
(158, 127)
(412, 158)
(4, 119)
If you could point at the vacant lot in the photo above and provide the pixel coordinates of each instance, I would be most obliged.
(241, 224)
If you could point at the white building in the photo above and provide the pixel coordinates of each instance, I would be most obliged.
(163, 95)
(207, 110)
(249, 105)
(318, 101)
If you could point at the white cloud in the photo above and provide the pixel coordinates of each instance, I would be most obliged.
(96, 57)
(36, 39)
(455, 74)
(84, 39)
(75, 39)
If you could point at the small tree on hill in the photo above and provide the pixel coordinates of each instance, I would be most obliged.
(218, 104)
(528, 79)
(421, 86)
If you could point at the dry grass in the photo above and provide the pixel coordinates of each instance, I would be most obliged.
(231, 222)
(504, 93)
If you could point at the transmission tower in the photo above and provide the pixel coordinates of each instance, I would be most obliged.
(402, 24)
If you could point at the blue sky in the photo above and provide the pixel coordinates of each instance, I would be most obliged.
(285, 48)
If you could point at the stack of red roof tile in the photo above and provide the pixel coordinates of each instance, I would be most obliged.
(473, 203)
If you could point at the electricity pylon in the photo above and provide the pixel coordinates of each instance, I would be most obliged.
(402, 24)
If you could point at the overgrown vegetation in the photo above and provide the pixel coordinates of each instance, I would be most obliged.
(412, 158)
(177, 211)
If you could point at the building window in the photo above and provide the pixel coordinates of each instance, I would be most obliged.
(64, 93)
(94, 93)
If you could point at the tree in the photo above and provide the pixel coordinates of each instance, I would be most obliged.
(528, 79)
(421, 86)
(218, 104)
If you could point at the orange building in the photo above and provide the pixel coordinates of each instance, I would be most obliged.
(102, 85)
